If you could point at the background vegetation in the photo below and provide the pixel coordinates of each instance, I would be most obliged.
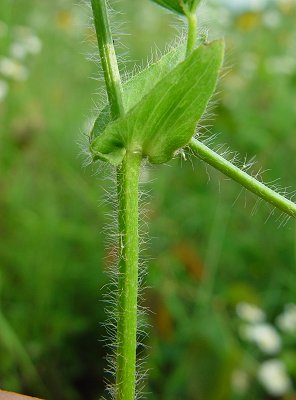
(213, 246)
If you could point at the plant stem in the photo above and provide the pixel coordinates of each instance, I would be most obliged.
(192, 32)
(127, 193)
(226, 167)
(108, 57)
(246, 180)
(128, 183)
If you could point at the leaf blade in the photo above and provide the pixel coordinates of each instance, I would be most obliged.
(139, 85)
(165, 119)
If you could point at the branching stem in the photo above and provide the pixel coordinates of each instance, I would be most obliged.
(127, 192)
(226, 167)
(240, 176)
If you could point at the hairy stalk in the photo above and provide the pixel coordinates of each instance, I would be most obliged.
(226, 167)
(250, 183)
(108, 57)
(192, 32)
(127, 192)
(128, 276)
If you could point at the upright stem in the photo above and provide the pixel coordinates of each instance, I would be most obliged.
(127, 192)
(192, 32)
(108, 57)
(128, 183)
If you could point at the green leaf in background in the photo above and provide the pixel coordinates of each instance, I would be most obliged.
(183, 7)
(140, 85)
(165, 119)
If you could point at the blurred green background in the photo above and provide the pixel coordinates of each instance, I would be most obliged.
(214, 253)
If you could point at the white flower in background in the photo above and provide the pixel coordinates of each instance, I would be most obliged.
(281, 65)
(26, 42)
(240, 381)
(287, 320)
(18, 51)
(272, 18)
(13, 69)
(249, 312)
(30, 44)
(264, 336)
(274, 378)
(33, 44)
(3, 89)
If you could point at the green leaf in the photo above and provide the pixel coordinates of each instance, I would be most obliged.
(164, 120)
(140, 85)
(183, 7)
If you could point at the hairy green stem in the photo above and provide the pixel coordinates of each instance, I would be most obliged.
(108, 57)
(226, 167)
(127, 193)
(192, 33)
(128, 276)
(240, 176)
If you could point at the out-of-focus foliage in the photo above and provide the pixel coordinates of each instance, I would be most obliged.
(211, 247)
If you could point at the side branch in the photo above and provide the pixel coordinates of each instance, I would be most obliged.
(246, 180)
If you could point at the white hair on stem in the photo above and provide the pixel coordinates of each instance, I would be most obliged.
(113, 237)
